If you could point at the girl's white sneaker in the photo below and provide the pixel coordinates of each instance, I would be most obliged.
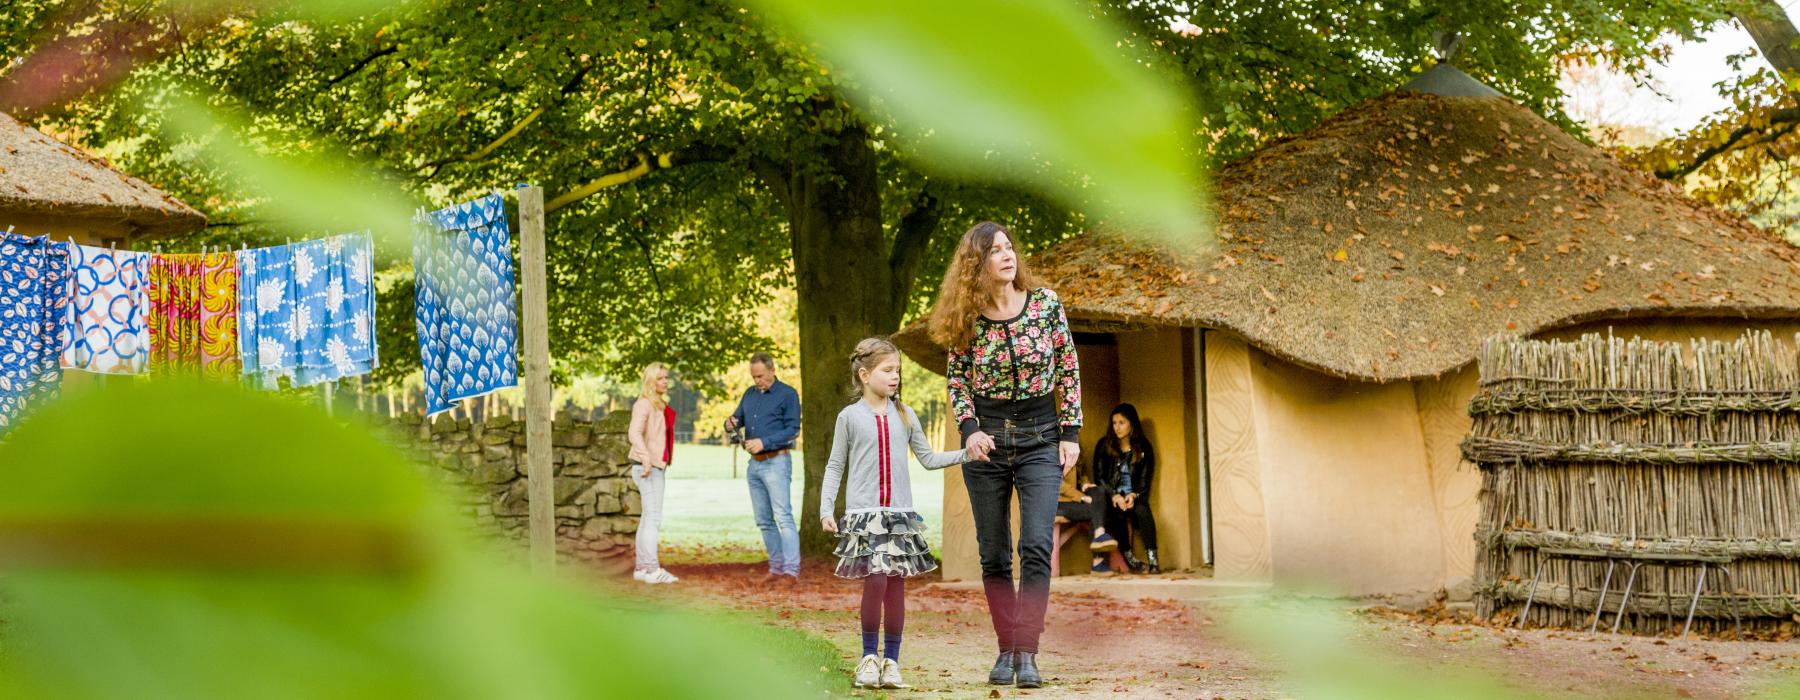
(660, 576)
(868, 673)
(890, 675)
(640, 576)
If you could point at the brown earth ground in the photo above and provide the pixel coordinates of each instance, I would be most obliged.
(1098, 645)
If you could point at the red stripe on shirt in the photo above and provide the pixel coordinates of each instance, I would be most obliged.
(882, 457)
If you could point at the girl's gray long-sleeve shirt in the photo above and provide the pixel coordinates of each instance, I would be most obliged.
(872, 444)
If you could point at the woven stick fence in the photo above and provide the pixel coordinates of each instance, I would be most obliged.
(1645, 451)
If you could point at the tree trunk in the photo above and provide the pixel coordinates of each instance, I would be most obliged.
(1774, 33)
(846, 291)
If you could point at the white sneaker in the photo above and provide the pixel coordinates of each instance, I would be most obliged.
(890, 675)
(640, 576)
(663, 576)
(868, 673)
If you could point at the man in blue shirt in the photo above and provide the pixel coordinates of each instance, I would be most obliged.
(770, 415)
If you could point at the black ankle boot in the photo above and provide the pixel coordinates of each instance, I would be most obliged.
(1028, 670)
(1132, 563)
(1005, 669)
(1150, 560)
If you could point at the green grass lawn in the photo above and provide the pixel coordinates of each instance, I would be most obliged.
(705, 505)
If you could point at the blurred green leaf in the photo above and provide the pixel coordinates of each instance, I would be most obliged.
(213, 614)
(317, 10)
(308, 190)
(1033, 92)
(1314, 642)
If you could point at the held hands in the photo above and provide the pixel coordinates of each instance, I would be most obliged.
(1071, 451)
(979, 444)
(828, 524)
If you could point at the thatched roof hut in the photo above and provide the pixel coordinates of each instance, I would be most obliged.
(47, 186)
(1386, 242)
(1314, 367)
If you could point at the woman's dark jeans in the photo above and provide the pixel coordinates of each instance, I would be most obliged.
(1139, 520)
(1024, 459)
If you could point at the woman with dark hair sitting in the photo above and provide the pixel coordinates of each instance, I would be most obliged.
(1125, 467)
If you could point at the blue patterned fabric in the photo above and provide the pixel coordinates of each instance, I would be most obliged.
(306, 311)
(467, 311)
(109, 299)
(34, 301)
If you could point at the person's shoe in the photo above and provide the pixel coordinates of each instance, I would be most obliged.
(640, 576)
(788, 580)
(1150, 561)
(1004, 671)
(1101, 567)
(890, 675)
(868, 673)
(1131, 562)
(1104, 543)
(1028, 670)
(770, 578)
(660, 576)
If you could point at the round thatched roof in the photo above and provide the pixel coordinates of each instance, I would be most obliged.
(40, 175)
(1386, 242)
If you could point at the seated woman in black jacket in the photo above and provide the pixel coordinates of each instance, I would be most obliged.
(1125, 468)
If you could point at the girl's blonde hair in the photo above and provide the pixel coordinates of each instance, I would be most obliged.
(967, 287)
(647, 390)
(869, 353)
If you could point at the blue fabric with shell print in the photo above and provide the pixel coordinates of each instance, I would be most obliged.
(466, 307)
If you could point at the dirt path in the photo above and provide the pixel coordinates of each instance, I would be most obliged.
(1097, 645)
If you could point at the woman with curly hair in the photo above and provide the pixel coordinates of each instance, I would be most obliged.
(1015, 389)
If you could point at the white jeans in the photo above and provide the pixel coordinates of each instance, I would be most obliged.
(650, 492)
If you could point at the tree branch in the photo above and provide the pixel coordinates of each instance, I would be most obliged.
(359, 65)
(912, 236)
(647, 163)
(1775, 36)
(1787, 117)
(568, 88)
(775, 176)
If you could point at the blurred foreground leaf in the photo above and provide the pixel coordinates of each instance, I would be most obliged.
(232, 491)
(1314, 642)
(1032, 92)
(307, 192)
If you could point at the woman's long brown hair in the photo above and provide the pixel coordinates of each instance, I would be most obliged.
(967, 287)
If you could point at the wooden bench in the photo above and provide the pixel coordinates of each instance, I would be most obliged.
(1063, 531)
(1633, 561)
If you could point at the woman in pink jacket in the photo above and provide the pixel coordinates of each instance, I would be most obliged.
(652, 437)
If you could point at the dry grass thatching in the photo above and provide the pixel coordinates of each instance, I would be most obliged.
(1383, 243)
(1607, 447)
(40, 175)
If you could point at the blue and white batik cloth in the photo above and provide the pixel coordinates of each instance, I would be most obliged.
(467, 310)
(109, 300)
(34, 301)
(306, 311)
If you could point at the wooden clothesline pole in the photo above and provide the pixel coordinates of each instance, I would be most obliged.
(536, 350)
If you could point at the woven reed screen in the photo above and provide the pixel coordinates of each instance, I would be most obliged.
(1612, 447)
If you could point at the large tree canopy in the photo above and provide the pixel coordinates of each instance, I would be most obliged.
(695, 158)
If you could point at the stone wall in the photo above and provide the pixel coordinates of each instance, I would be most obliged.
(597, 506)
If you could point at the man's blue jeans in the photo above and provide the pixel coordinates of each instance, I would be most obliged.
(770, 481)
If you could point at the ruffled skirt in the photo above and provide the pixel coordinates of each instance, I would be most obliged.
(883, 543)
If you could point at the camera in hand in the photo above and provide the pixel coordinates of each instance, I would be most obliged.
(733, 436)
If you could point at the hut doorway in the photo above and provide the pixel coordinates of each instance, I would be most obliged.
(1159, 371)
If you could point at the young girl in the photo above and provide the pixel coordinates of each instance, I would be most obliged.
(880, 540)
